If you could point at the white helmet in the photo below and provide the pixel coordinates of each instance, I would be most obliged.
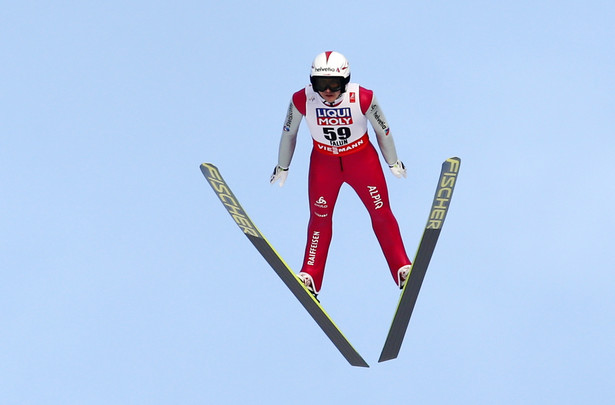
(331, 64)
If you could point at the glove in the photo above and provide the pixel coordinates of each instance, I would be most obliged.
(398, 169)
(279, 173)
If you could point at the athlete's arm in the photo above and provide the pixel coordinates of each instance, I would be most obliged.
(288, 140)
(374, 114)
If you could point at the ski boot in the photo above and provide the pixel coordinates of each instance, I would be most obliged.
(308, 282)
(402, 275)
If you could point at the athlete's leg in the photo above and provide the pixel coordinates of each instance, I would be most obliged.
(364, 174)
(324, 184)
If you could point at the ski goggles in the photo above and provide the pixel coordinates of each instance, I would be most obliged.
(322, 83)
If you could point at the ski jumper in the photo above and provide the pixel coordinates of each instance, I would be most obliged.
(342, 153)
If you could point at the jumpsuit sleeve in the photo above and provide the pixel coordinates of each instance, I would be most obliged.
(288, 140)
(383, 134)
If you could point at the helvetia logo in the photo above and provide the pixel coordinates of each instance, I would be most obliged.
(326, 69)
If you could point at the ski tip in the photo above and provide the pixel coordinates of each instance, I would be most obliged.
(209, 168)
(452, 164)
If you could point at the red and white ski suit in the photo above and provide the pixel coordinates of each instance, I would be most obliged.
(343, 153)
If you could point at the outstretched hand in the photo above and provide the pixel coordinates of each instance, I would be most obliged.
(279, 173)
(398, 169)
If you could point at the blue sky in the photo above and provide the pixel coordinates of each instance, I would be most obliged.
(124, 281)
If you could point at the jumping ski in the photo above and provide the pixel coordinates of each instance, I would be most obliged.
(309, 302)
(410, 292)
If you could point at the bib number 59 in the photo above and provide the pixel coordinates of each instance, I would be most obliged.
(333, 134)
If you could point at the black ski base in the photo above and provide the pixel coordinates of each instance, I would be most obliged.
(303, 295)
(410, 292)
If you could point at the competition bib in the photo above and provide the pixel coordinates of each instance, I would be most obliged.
(340, 129)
